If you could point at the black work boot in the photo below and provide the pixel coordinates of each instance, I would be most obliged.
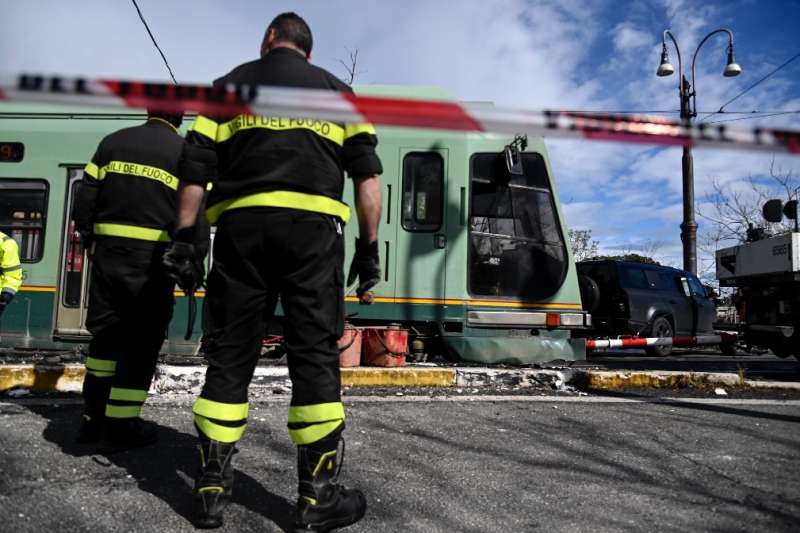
(95, 395)
(324, 505)
(122, 434)
(91, 429)
(213, 487)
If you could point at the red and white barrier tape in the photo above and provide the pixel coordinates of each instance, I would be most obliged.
(641, 342)
(384, 111)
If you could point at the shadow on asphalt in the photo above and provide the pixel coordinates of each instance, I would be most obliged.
(710, 407)
(166, 469)
(584, 454)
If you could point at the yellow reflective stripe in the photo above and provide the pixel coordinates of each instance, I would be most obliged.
(131, 232)
(10, 269)
(320, 412)
(217, 432)
(203, 490)
(143, 171)
(123, 411)
(327, 456)
(205, 126)
(106, 365)
(220, 411)
(128, 395)
(328, 130)
(287, 199)
(351, 130)
(313, 433)
(100, 374)
(92, 170)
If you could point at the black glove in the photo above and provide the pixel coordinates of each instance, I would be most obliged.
(87, 238)
(5, 299)
(183, 262)
(366, 266)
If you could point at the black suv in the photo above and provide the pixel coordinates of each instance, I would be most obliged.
(627, 298)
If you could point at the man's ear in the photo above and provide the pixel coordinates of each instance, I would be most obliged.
(266, 44)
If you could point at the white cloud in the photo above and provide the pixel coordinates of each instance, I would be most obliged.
(627, 38)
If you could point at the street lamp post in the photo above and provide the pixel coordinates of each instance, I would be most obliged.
(688, 111)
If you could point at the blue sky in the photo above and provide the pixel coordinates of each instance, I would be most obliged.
(543, 54)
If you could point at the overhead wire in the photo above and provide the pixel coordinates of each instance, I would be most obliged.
(152, 38)
(671, 111)
(722, 107)
(755, 117)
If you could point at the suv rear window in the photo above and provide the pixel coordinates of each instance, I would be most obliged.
(633, 278)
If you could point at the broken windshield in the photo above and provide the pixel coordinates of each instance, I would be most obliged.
(516, 246)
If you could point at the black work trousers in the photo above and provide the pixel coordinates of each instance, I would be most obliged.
(131, 302)
(261, 254)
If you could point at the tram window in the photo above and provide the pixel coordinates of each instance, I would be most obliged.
(516, 246)
(423, 191)
(23, 213)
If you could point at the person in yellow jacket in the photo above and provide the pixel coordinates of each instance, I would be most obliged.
(10, 270)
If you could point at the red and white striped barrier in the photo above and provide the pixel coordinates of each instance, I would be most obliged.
(349, 108)
(641, 342)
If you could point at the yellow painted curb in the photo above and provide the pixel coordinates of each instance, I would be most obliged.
(42, 378)
(398, 377)
(656, 380)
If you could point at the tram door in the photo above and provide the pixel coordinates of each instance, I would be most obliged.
(422, 238)
(72, 296)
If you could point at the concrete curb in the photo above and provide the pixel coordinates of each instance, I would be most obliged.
(182, 379)
(665, 379)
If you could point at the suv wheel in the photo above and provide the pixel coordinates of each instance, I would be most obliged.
(661, 328)
(590, 293)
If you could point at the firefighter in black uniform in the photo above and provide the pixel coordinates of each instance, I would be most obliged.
(279, 215)
(125, 210)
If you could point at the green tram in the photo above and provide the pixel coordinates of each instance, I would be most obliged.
(473, 244)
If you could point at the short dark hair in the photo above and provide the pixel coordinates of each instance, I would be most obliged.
(291, 27)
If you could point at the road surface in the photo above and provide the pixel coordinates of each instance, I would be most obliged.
(444, 464)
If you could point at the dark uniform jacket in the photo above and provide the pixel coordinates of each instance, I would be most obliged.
(129, 190)
(283, 161)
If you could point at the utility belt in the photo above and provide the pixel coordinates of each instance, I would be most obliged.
(286, 199)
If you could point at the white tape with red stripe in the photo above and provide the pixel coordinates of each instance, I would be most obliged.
(641, 342)
(385, 111)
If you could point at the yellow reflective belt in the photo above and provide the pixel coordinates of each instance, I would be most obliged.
(92, 170)
(321, 412)
(131, 232)
(287, 199)
(351, 130)
(313, 433)
(143, 171)
(217, 432)
(205, 126)
(123, 411)
(329, 130)
(128, 395)
(220, 411)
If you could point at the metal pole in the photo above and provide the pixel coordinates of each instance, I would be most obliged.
(688, 111)
(689, 225)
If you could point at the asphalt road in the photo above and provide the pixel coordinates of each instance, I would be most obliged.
(464, 464)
